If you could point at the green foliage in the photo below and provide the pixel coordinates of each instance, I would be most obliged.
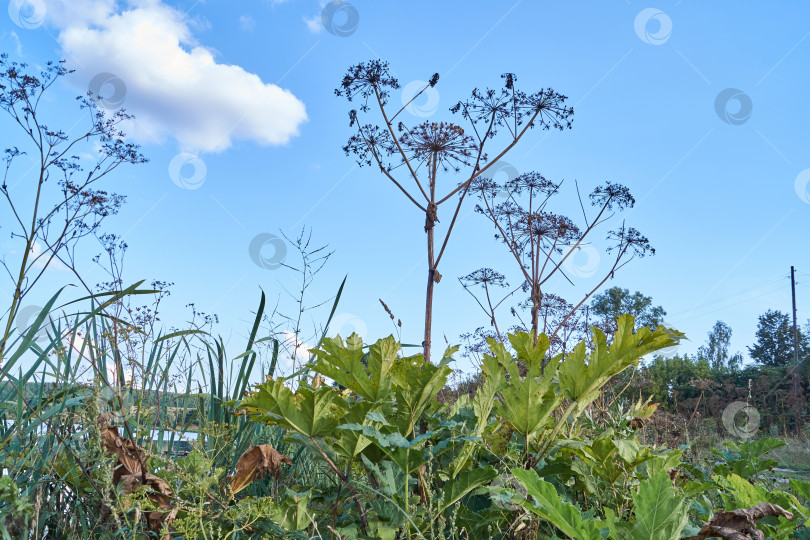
(15, 511)
(375, 453)
(661, 514)
(774, 346)
(615, 302)
(310, 412)
(744, 459)
(548, 504)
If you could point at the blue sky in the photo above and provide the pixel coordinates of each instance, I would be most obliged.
(244, 91)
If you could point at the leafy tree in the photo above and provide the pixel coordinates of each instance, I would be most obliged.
(715, 351)
(424, 154)
(774, 346)
(664, 376)
(616, 301)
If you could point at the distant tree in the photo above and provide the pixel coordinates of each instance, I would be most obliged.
(418, 159)
(716, 349)
(617, 301)
(774, 346)
(667, 378)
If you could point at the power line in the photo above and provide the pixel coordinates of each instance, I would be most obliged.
(725, 308)
(735, 295)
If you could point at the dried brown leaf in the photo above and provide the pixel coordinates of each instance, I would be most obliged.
(129, 455)
(128, 475)
(256, 462)
(740, 524)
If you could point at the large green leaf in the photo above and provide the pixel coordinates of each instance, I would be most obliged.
(463, 484)
(346, 365)
(661, 514)
(349, 443)
(417, 383)
(582, 375)
(549, 505)
(527, 401)
(482, 405)
(310, 412)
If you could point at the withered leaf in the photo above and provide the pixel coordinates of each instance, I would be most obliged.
(128, 475)
(129, 456)
(256, 462)
(740, 524)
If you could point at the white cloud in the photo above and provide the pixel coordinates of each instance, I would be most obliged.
(41, 261)
(314, 24)
(297, 348)
(173, 85)
(247, 23)
(16, 39)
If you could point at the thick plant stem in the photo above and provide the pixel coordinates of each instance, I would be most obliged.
(431, 217)
(428, 311)
(345, 480)
(537, 300)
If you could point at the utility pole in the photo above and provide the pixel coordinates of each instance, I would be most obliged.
(795, 335)
(797, 401)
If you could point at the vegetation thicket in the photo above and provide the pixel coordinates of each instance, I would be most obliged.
(114, 427)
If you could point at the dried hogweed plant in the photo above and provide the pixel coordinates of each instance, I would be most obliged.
(418, 159)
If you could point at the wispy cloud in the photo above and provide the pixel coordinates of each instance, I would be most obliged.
(247, 23)
(12, 36)
(314, 24)
(41, 259)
